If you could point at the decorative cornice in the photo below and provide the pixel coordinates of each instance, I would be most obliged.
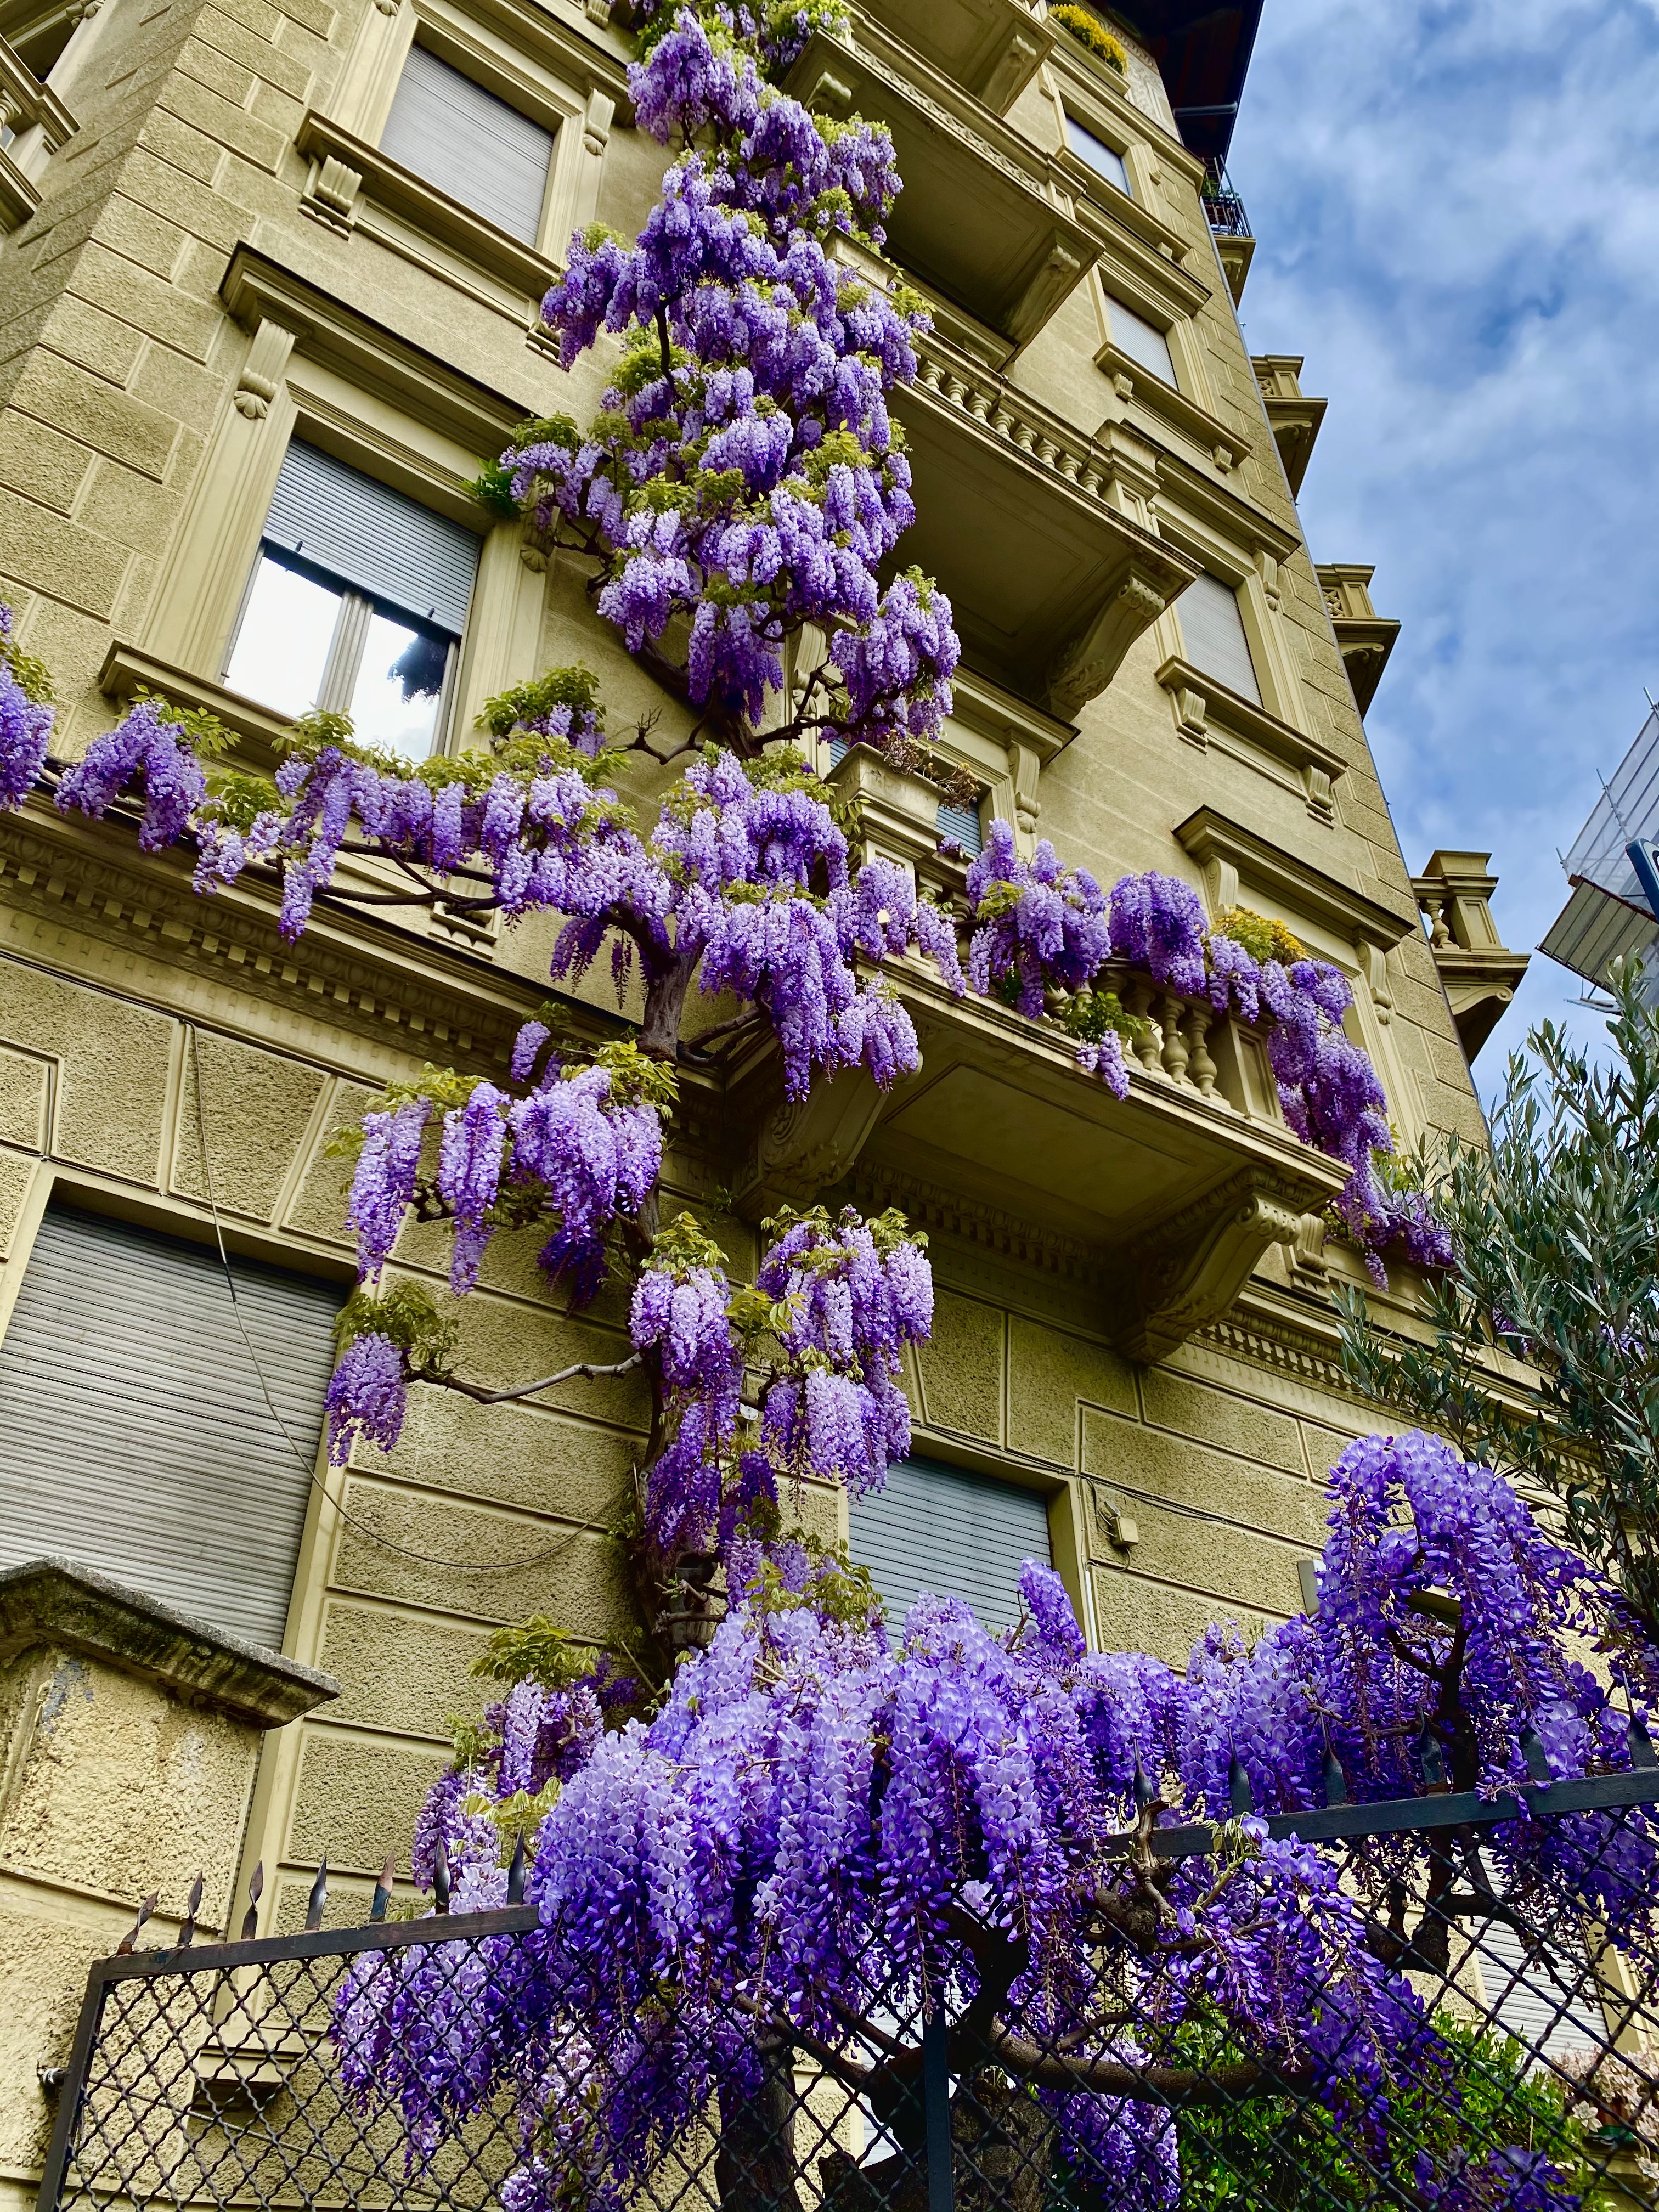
(942, 1211)
(1217, 843)
(364, 976)
(256, 289)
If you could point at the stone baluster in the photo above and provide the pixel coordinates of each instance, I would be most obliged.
(1201, 1068)
(1175, 1044)
(1149, 1040)
(1435, 908)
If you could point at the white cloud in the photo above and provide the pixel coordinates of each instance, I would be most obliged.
(1457, 215)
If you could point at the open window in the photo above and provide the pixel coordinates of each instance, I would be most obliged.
(470, 144)
(1212, 632)
(357, 605)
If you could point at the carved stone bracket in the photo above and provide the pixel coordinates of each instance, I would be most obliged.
(1083, 671)
(331, 197)
(1187, 1271)
(264, 370)
(805, 1146)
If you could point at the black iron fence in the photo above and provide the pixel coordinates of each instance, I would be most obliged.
(271, 2072)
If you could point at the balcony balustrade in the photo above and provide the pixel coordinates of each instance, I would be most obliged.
(1235, 241)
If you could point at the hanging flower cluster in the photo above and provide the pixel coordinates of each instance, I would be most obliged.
(793, 1832)
(823, 1326)
(26, 716)
(744, 473)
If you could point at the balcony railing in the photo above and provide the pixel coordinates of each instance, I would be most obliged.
(1223, 211)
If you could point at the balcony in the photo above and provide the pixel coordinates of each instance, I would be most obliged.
(1155, 1208)
(1481, 975)
(977, 218)
(1363, 637)
(1230, 227)
(1033, 529)
(991, 48)
(1293, 417)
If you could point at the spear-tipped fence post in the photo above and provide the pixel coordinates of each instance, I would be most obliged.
(440, 1876)
(936, 2108)
(1641, 1747)
(1532, 1750)
(1240, 1797)
(193, 1906)
(382, 1896)
(515, 1872)
(318, 1897)
(255, 1890)
(131, 1935)
(1336, 1785)
(1434, 1767)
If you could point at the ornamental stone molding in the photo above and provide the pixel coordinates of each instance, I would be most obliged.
(359, 975)
(1190, 1269)
(991, 48)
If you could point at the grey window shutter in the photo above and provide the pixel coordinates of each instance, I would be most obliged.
(134, 1435)
(1213, 631)
(1105, 160)
(469, 144)
(940, 1528)
(961, 825)
(363, 533)
(1142, 340)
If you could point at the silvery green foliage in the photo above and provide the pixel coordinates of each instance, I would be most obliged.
(1556, 1236)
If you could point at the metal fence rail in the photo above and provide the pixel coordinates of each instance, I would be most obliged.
(221, 2075)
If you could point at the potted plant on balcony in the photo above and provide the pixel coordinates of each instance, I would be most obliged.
(1091, 34)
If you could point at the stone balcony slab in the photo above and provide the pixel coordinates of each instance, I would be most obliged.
(980, 217)
(991, 48)
(1163, 1202)
(1050, 582)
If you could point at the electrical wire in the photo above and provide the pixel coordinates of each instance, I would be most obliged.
(363, 1528)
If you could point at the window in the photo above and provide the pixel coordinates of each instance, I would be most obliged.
(357, 605)
(469, 144)
(957, 825)
(135, 1436)
(1105, 160)
(939, 1528)
(1213, 631)
(1142, 340)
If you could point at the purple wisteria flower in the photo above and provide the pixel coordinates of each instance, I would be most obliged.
(25, 724)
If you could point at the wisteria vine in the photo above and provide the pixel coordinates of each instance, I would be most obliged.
(826, 1818)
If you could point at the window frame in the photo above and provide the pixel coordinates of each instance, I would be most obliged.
(344, 663)
(556, 121)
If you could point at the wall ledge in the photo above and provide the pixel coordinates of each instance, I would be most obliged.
(57, 1602)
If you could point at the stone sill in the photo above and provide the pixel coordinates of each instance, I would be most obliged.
(126, 670)
(1259, 739)
(345, 168)
(1123, 211)
(1135, 384)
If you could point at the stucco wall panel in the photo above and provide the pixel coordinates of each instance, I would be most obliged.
(1217, 1417)
(1188, 1475)
(402, 1671)
(243, 1090)
(461, 1559)
(962, 1367)
(356, 1800)
(1138, 1614)
(114, 1064)
(515, 1457)
(1049, 1371)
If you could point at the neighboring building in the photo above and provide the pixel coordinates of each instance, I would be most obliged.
(1612, 878)
(270, 297)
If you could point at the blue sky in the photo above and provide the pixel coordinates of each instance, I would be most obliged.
(1457, 215)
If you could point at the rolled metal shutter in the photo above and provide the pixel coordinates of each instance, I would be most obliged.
(362, 532)
(1213, 631)
(134, 1434)
(939, 1528)
(470, 143)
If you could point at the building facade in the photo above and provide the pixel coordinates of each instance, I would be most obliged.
(269, 297)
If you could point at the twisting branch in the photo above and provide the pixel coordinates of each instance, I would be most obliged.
(587, 1369)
